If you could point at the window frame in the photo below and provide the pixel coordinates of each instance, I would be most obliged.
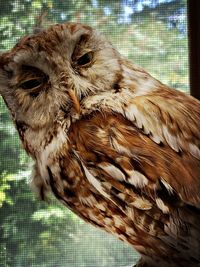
(193, 14)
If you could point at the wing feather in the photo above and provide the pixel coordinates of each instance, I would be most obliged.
(168, 116)
(156, 138)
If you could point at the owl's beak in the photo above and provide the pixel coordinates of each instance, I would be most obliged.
(74, 100)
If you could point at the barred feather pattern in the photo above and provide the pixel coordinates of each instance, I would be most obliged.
(112, 143)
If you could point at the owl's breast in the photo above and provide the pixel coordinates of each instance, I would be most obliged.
(108, 189)
(70, 186)
(121, 211)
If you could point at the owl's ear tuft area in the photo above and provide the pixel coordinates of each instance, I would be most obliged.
(40, 21)
(83, 38)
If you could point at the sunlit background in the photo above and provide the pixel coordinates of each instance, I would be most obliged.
(151, 33)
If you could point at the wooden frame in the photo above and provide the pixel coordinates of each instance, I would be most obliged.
(194, 46)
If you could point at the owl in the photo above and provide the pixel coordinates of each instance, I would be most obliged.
(113, 144)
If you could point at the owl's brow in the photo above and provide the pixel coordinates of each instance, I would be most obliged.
(74, 27)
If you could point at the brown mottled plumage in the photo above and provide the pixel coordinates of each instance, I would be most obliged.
(113, 144)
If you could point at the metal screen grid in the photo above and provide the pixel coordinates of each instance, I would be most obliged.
(153, 34)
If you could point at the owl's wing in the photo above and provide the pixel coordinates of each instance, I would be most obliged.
(153, 146)
(169, 117)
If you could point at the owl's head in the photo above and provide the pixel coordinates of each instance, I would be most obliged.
(50, 72)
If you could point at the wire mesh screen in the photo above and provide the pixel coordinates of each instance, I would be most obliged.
(151, 33)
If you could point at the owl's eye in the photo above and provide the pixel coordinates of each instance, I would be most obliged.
(32, 83)
(85, 59)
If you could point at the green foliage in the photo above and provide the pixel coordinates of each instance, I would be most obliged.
(38, 234)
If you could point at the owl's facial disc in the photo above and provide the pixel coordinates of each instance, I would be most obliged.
(55, 71)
